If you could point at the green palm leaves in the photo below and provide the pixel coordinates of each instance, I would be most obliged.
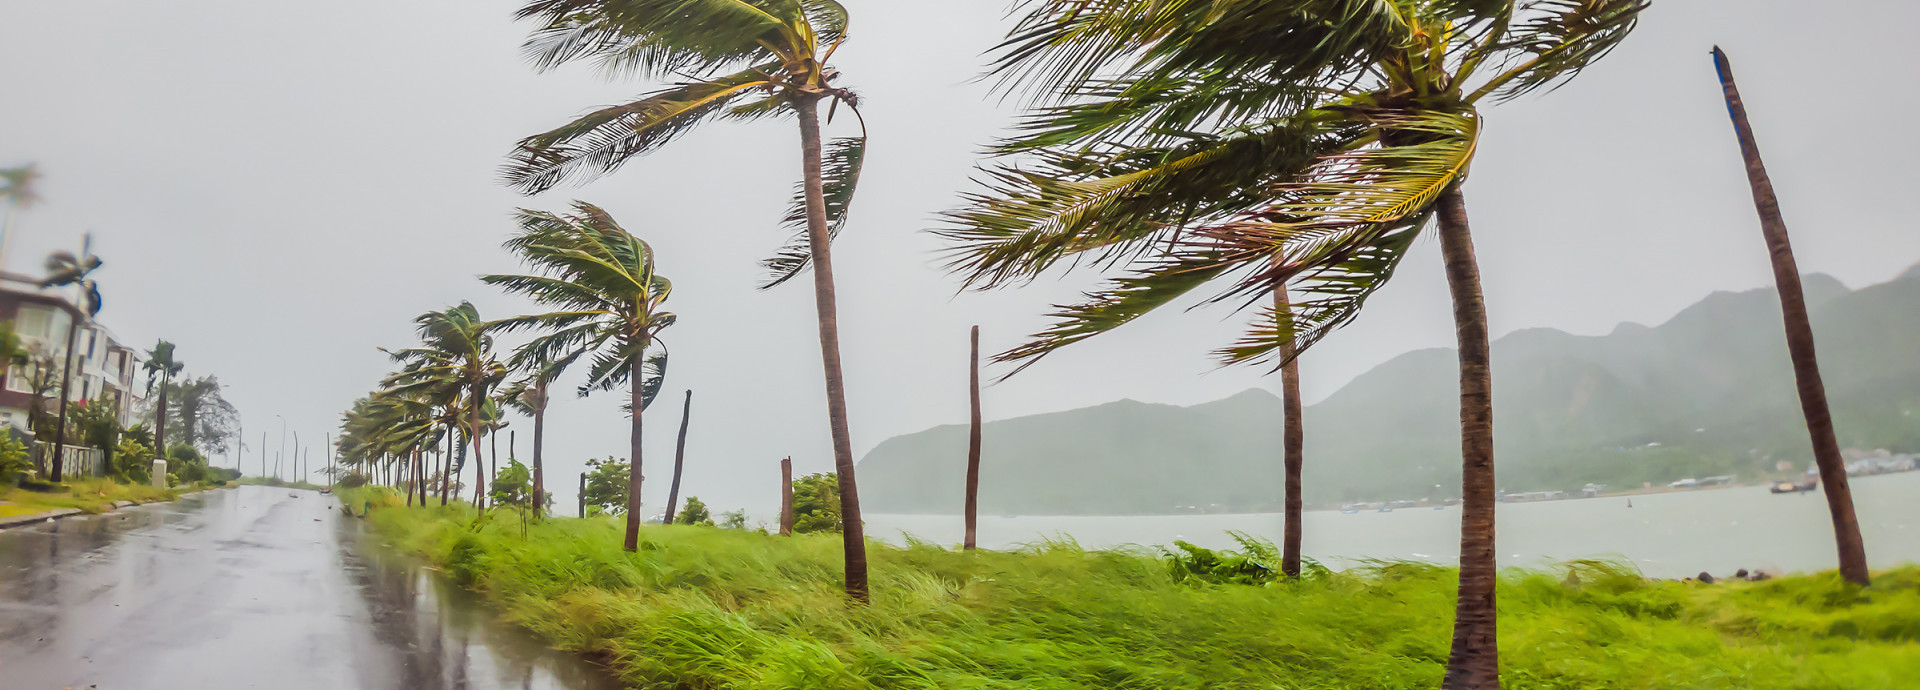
(64, 269)
(608, 297)
(1248, 146)
(454, 362)
(730, 59)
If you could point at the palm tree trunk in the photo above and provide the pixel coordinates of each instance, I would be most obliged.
(66, 384)
(973, 443)
(414, 467)
(539, 433)
(160, 418)
(679, 455)
(634, 477)
(446, 466)
(420, 474)
(583, 495)
(1806, 367)
(786, 496)
(852, 533)
(493, 461)
(479, 461)
(1292, 442)
(1475, 660)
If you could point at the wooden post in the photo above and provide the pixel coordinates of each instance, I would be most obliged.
(973, 444)
(786, 496)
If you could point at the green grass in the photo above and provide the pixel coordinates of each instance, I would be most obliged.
(275, 481)
(93, 495)
(700, 607)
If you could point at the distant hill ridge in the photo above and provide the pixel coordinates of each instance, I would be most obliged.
(1708, 392)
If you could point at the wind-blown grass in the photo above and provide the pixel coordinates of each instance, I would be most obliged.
(89, 495)
(700, 607)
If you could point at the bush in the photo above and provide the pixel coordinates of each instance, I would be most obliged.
(13, 458)
(607, 486)
(816, 503)
(694, 513)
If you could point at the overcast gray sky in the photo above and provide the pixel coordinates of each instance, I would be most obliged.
(279, 188)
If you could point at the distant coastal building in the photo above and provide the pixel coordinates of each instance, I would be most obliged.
(104, 368)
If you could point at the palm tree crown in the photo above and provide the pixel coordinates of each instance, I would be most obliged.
(742, 59)
(602, 280)
(1256, 143)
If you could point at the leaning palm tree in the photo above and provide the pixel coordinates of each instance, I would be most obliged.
(454, 363)
(741, 59)
(1806, 366)
(601, 279)
(64, 269)
(1261, 146)
(161, 367)
(528, 395)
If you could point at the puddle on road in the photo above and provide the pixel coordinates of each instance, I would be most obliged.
(444, 636)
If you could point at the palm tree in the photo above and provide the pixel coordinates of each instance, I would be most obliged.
(529, 396)
(1264, 146)
(64, 269)
(742, 59)
(602, 280)
(679, 456)
(1806, 366)
(455, 364)
(161, 365)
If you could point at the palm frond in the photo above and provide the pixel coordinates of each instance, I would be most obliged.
(840, 168)
(655, 38)
(1556, 39)
(603, 140)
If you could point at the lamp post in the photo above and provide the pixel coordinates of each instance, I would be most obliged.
(283, 446)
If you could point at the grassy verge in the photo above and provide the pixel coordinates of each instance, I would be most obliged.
(700, 607)
(93, 495)
(272, 481)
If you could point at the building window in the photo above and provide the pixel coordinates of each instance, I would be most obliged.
(20, 378)
(33, 321)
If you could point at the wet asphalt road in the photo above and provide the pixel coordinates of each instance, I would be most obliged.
(252, 587)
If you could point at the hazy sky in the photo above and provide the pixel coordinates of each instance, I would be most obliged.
(280, 188)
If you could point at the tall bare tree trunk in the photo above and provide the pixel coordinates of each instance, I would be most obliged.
(786, 496)
(853, 532)
(479, 460)
(1475, 660)
(446, 465)
(633, 468)
(973, 443)
(583, 494)
(493, 460)
(1292, 442)
(539, 435)
(1806, 366)
(66, 385)
(679, 456)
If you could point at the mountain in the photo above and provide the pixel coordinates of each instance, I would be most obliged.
(1709, 392)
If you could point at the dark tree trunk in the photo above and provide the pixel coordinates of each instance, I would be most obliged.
(479, 460)
(446, 465)
(973, 442)
(420, 474)
(66, 384)
(634, 477)
(160, 418)
(493, 462)
(539, 435)
(1475, 660)
(413, 469)
(583, 494)
(1292, 442)
(679, 456)
(1806, 366)
(853, 532)
(786, 496)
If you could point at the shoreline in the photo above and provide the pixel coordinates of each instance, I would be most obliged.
(1643, 491)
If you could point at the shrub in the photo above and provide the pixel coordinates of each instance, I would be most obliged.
(695, 513)
(816, 503)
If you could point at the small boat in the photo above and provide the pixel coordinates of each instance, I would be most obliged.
(1350, 511)
(1792, 488)
(1386, 510)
